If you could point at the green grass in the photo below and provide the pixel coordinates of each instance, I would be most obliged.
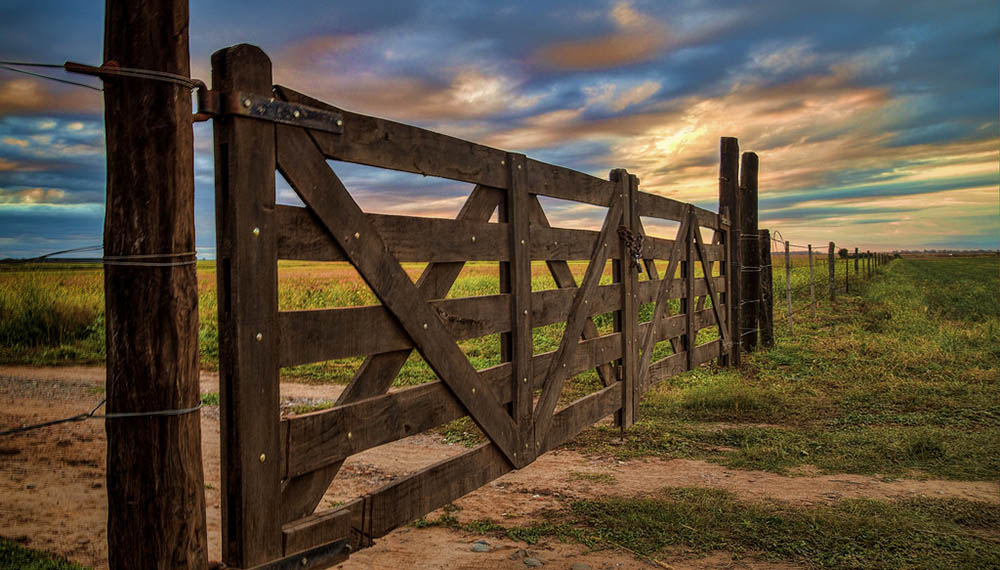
(13, 556)
(692, 522)
(902, 377)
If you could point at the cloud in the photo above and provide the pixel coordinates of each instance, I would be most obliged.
(32, 196)
(617, 97)
(636, 38)
(19, 95)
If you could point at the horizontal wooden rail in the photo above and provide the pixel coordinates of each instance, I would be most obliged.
(655, 206)
(316, 335)
(326, 436)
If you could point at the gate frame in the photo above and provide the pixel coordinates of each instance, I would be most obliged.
(270, 492)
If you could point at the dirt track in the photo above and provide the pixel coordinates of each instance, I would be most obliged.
(53, 497)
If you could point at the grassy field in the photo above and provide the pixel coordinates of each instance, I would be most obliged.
(900, 378)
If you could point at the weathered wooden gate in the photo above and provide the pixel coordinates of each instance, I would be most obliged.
(276, 470)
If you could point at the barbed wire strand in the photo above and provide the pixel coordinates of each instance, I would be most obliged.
(49, 77)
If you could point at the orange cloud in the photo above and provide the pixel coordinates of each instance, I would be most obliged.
(637, 38)
(31, 196)
(30, 95)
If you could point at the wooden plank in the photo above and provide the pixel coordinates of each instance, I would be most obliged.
(716, 309)
(564, 279)
(582, 413)
(410, 497)
(314, 530)
(328, 436)
(301, 236)
(305, 168)
(750, 252)
(730, 201)
(662, 294)
(315, 335)
(766, 291)
(248, 308)
(627, 187)
(521, 343)
(688, 303)
(556, 374)
(300, 495)
(677, 363)
(558, 182)
(388, 144)
(655, 206)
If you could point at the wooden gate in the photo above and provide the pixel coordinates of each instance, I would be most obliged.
(276, 469)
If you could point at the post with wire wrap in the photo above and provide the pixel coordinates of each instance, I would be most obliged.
(750, 250)
(832, 282)
(766, 314)
(730, 201)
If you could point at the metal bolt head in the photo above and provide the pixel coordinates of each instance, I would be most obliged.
(525, 379)
(526, 311)
(296, 113)
(473, 239)
(304, 561)
(357, 235)
(349, 435)
(519, 167)
(263, 457)
(425, 326)
(522, 242)
(259, 337)
(473, 390)
(256, 232)
(247, 102)
(503, 162)
(340, 122)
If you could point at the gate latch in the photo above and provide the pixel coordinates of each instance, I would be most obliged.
(266, 108)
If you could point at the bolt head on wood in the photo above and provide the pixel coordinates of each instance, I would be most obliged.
(263, 457)
(256, 232)
(259, 337)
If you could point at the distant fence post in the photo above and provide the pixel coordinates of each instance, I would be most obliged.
(750, 249)
(847, 275)
(855, 262)
(766, 313)
(788, 284)
(729, 200)
(812, 283)
(832, 280)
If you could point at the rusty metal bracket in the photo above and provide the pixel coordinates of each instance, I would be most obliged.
(266, 108)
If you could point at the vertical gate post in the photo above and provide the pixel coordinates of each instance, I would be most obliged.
(788, 284)
(518, 342)
(247, 285)
(730, 201)
(688, 304)
(832, 280)
(626, 187)
(750, 250)
(155, 480)
(766, 291)
(812, 283)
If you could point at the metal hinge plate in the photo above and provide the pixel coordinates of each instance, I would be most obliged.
(266, 108)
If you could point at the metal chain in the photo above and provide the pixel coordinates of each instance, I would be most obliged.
(633, 242)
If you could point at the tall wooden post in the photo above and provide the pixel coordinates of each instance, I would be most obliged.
(788, 284)
(856, 275)
(766, 291)
(730, 201)
(750, 251)
(155, 482)
(246, 237)
(833, 271)
(812, 283)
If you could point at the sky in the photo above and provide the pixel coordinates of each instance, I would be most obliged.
(876, 122)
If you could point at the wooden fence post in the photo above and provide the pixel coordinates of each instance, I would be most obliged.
(517, 279)
(847, 275)
(730, 201)
(812, 283)
(155, 480)
(856, 276)
(766, 291)
(788, 284)
(248, 316)
(627, 186)
(750, 251)
(832, 280)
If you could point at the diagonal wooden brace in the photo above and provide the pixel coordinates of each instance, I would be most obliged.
(556, 375)
(305, 168)
(683, 235)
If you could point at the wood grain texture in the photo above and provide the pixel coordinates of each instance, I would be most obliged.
(520, 340)
(750, 250)
(654, 206)
(305, 168)
(766, 291)
(152, 312)
(301, 494)
(248, 307)
(730, 201)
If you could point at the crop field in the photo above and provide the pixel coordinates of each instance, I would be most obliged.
(898, 381)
